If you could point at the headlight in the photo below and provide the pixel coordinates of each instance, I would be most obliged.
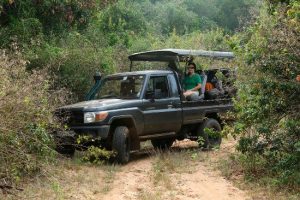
(91, 117)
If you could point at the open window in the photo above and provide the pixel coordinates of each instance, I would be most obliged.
(157, 88)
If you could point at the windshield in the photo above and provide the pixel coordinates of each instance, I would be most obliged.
(121, 87)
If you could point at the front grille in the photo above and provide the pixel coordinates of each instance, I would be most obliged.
(76, 118)
(71, 118)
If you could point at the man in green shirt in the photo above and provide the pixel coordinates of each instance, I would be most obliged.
(192, 83)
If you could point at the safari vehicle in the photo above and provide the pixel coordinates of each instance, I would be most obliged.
(123, 109)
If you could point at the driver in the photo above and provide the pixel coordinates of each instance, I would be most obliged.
(192, 83)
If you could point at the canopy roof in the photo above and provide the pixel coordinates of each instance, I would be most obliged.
(178, 55)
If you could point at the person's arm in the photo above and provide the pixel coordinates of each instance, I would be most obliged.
(197, 88)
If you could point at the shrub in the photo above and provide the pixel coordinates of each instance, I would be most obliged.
(268, 106)
(26, 105)
(97, 155)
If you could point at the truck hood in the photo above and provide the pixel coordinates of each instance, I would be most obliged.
(101, 104)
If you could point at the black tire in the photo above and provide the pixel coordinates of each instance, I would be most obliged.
(121, 144)
(209, 141)
(162, 143)
(65, 146)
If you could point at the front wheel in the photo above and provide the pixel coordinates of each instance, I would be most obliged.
(121, 144)
(209, 134)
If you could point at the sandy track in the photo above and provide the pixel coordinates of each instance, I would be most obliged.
(135, 181)
(138, 180)
(134, 178)
(204, 184)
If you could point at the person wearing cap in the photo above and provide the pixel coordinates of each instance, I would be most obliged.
(192, 83)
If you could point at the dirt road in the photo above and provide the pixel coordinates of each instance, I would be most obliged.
(136, 182)
(191, 179)
(184, 173)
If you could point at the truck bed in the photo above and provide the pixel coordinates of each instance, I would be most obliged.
(195, 111)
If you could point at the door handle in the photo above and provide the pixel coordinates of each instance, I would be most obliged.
(170, 106)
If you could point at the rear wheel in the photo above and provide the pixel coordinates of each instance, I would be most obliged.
(162, 143)
(209, 134)
(121, 144)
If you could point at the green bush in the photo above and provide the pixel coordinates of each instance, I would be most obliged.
(268, 104)
(26, 105)
(74, 39)
(73, 61)
(56, 17)
(98, 155)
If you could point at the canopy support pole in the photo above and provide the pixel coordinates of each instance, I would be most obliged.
(130, 66)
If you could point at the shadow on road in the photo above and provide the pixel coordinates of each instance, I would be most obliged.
(179, 146)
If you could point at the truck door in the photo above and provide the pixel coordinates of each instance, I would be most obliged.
(161, 105)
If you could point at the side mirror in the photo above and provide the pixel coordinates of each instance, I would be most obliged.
(97, 77)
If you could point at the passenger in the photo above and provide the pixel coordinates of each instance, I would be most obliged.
(209, 86)
(192, 83)
(217, 91)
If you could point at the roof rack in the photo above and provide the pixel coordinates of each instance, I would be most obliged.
(178, 55)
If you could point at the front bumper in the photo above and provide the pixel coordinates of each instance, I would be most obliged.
(99, 132)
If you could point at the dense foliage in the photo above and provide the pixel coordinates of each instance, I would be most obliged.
(269, 97)
(26, 105)
(74, 38)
